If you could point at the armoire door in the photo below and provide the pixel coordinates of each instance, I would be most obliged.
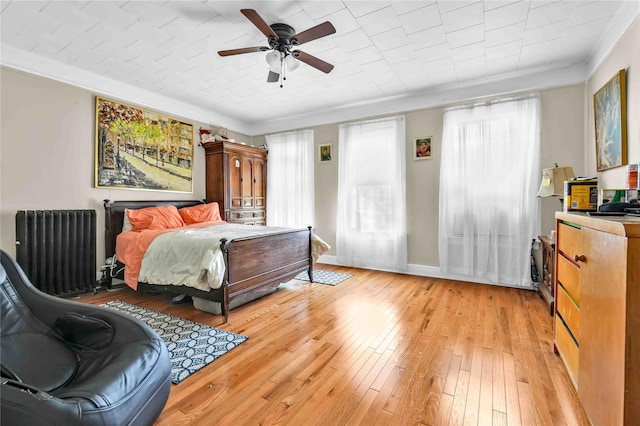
(235, 181)
(247, 182)
(259, 182)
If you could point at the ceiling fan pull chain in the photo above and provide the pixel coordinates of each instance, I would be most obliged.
(282, 76)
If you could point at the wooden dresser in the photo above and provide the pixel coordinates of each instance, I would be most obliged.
(236, 177)
(597, 313)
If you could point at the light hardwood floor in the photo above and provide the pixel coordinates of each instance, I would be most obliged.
(379, 348)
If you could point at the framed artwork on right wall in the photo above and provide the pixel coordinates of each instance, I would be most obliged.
(610, 117)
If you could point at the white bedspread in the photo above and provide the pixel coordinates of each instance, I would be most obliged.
(192, 257)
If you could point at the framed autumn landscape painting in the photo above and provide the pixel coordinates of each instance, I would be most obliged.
(139, 149)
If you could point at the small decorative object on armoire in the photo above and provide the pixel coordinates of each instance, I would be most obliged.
(236, 178)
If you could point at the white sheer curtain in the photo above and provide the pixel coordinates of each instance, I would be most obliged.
(290, 180)
(489, 174)
(371, 229)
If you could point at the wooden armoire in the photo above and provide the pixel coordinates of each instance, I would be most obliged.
(237, 179)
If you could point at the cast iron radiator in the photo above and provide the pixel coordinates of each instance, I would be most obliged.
(57, 249)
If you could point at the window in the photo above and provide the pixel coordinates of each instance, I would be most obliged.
(489, 172)
(290, 183)
(371, 225)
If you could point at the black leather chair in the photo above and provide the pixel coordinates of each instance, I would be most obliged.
(71, 363)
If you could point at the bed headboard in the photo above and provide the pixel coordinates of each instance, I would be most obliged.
(114, 217)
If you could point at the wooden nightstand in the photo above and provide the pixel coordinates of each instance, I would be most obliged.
(548, 271)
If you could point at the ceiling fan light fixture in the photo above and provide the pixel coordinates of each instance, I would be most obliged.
(291, 63)
(274, 61)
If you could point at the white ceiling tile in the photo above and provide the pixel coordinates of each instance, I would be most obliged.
(379, 21)
(146, 31)
(400, 54)
(431, 37)
(477, 64)
(109, 14)
(28, 15)
(390, 39)
(353, 41)
(375, 69)
(360, 8)
(466, 36)
(544, 33)
(11, 27)
(507, 64)
(464, 17)
(343, 21)
(495, 4)
(432, 53)
(506, 15)
(468, 52)
(403, 7)
(446, 6)
(504, 35)
(438, 66)
(321, 9)
(587, 12)
(504, 50)
(420, 19)
(366, 55)
(550, 13)
(70, 13)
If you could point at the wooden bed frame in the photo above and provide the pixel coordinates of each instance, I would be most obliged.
(253, 264)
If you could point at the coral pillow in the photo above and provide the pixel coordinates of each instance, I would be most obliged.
(161, 217)
(201, 213)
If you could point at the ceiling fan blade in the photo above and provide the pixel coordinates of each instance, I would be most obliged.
(323, 66)
(313, 33)
(253, 16)
(243, 50)
(273, 77)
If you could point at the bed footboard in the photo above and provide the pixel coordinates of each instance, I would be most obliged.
(255, 263)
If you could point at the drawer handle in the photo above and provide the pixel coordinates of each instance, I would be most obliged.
(579, 257)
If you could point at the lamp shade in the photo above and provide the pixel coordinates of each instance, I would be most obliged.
(553, 181)
(273, 59)
(291, 63)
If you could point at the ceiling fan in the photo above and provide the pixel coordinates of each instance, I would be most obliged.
(282, 39)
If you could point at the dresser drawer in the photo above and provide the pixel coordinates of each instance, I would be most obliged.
(568, 275)
(246, 215)
(569, 312)
(567, 348)
(569, 240)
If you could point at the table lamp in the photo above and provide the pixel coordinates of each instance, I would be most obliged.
(553, 181)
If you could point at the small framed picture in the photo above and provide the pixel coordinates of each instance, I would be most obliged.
(422, 148)
(325, 153)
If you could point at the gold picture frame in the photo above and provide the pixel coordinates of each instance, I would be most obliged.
(422, 148)
(610, 120)
(140, 149)
(325, 153)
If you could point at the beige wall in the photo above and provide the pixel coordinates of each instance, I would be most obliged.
(47, 154)
(562, 142)
(625, 55)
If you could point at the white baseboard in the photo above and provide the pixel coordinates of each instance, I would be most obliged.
(427, 271)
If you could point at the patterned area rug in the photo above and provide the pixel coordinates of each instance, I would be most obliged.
(191, 345)
(324, 277)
